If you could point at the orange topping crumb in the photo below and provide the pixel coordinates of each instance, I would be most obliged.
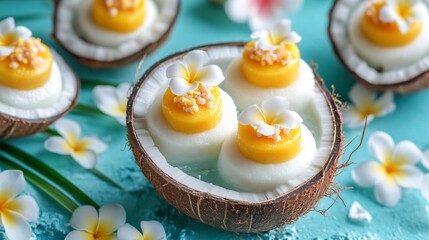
(115, 6)
(191, 102)
(26, 53)
(280, 55)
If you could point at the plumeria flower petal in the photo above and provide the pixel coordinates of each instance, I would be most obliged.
(251, 114)
(259, 13)
(181, 86)
(381, 145)
(366, 174)
(425, 159)
(69, 129)
(394, 169)
(388, 193)
(84, 150)
(366, 105)
(8, 29)
(5, 51)
(57, 145)
(87, 158)
(425, 187)
(273, 116)
(273, 38)
(152, 230)
(389, 14)
(195, 59)
(89, 224)
(112, 101)
(411, 177)
(406, 153)
(186, 75)
(84, 218)
(7, 25)
(16, 212)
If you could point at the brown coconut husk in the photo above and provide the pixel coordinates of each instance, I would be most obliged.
(229, 214)
(151, 47)
(410, 85)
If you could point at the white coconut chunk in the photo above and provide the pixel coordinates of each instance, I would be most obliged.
(76, 31)
(317, 117)
(244, 93)
(367, 68)
(182, 148)
(47, 101)
(250, 176)
(359, 214)
(388, 58)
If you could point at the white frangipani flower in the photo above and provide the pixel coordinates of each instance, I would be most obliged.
(185, 75)
(16, 212)
(425, 187)
(84, 150)
(9, 34)
(92, 225)
(273, 117)
(152, 230)
(366, 105)
(260, 13)
(112, 101)
(394, 168)
(389, 14)
(273, 38)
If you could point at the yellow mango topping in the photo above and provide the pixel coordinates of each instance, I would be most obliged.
(28, 66)
(121, 16)
(388, 34)
(197, 111)
(266, 150)
(271, 69)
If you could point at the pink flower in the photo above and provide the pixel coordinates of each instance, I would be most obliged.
(260, 13)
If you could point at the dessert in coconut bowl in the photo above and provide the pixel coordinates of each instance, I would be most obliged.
(36, 86)
(247, 169)
(110, 33)
(383, 43)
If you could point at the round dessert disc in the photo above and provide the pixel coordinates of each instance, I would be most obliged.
(409, 78)
(25, 122)
(219, 206)
(92, 55)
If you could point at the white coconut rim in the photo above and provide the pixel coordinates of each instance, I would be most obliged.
(67, 96)
(222, 55)
(338, 31)
(65, 32)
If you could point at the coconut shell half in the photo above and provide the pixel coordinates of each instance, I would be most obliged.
(90, 55)
(14, 126)
(220, 207)
(403, 80)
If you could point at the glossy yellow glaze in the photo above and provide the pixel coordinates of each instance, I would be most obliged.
(123, 21)
(265, 150)
(205, 119)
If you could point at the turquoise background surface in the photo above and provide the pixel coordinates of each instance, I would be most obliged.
(200, 22)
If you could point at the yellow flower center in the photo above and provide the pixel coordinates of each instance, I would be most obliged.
(368, 110)
(76, 146)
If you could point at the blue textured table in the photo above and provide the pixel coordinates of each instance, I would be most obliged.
(201, 23)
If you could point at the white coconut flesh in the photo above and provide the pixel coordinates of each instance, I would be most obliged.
(299, 93)
(372, 63)
(49, 100)
(181, 148)
(317, 117)
(161, 17)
